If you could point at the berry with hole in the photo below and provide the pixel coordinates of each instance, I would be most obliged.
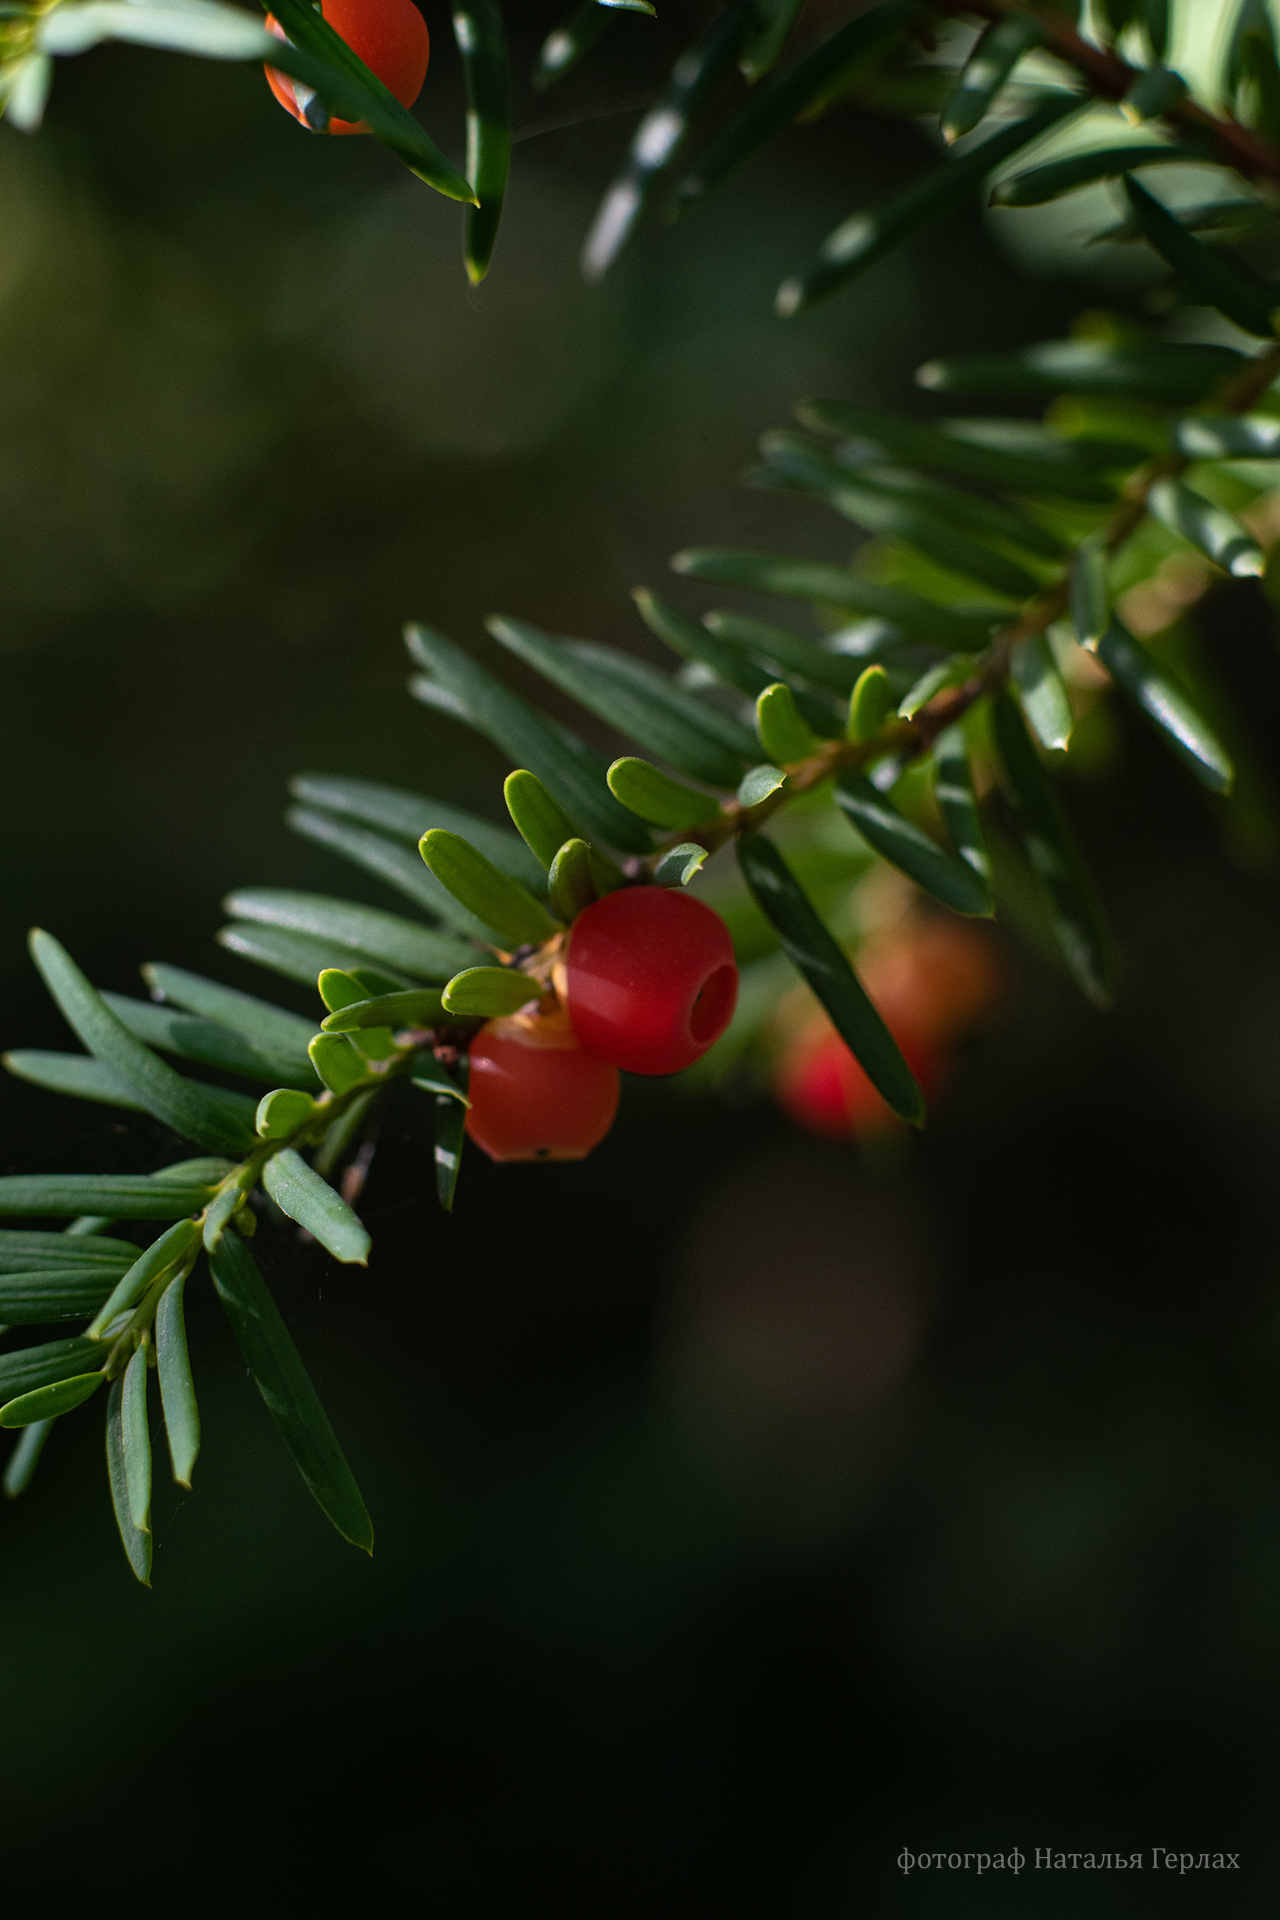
(535, 1093)
(649, 979)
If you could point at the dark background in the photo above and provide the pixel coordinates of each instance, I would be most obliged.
(745, 1512)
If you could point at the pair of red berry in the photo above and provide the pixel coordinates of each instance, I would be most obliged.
(648, 983)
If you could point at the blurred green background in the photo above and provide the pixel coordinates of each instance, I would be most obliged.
(745, 1513)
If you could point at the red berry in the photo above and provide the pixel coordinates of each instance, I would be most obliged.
(535, 1093)
(650, 979)
(390, 36)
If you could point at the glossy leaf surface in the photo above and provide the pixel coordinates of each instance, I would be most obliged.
(46, 1403)
(384, 938)
(1227, 436)
(282, 1112)
(812, 950)
(299, 1191)
(345, 79)
(407, 816)
(137, 1545)
(500, 902)
(120, 1196)
(179, 1102)
(482, 43)
(530, 740)
(399, 866)
(565, 45)
(169, 1250)
(28, 1252)
(958, 802)
(31, 1367)
(1210, 275)
(1041, 691)
(661, 133)
(297, 956)
(1048, 465)
(783, 734)
(997, 53)
(647, 706)
(206, 1041)
(759, 784)
(837, 587)
(22, 1462)
(570, 885)
(1217, 533)
(338, 1062)
(871, 705)
(866, 236)
(1135, 668)
(486, 993)
(656, 797)
(1038, 185)
(177, 1389)
(907, 847)
(1054, 856)
(77, 1074)
(413, 1008)
(450, 1113)
(276, 1037)
(678, 865)
(1177, 374)
(785, 653)
(53, 1293)
(1090, 592)
(539, 819)
(782, 99)
(135, 1437)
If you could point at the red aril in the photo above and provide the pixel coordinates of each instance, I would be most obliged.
(535, 1093)
(650, 980)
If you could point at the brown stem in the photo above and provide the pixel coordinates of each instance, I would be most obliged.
(911, 738)
(1110, 77)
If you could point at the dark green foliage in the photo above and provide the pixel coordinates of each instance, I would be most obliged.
(284, 1385)
(528, 739)
(868, 235)
(660, 716)
(935, 664)
(785, 97)
(905, 846)
(810, 947)
(478, 30)
(1054, 856)
(448, 1095)
(663, 131)
(136, 1542)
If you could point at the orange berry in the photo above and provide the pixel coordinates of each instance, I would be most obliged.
(390, 36)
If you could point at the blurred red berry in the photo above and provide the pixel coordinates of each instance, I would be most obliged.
(390, 36)
(935, 976)
(823, 1088)
(650, 979)
(535, 1093)
(929, 979)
